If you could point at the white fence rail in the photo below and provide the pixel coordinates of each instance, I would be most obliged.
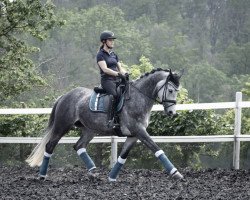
(114, 140)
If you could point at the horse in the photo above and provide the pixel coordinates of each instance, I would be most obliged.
(72, 109)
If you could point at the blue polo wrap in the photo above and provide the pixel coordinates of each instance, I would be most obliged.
(44, 166)
(86, 159)
(117, 167)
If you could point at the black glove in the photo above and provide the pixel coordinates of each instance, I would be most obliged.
(123, 77)
(127, 76)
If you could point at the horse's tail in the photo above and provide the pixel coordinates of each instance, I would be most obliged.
(36, 156)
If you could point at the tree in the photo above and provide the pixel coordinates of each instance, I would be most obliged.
(246, 89)
(235, 59)
(20, 20)
(137, 70)
(87, 25)
(71, 51)
(206, 83)
(187, 123)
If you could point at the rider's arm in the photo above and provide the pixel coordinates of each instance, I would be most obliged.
(120, 68)
(102, 64)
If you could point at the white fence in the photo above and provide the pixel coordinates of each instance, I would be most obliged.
(114, 140)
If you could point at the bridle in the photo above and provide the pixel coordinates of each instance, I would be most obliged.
(164, 95)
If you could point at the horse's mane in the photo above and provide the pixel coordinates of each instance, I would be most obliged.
(153, 71)
(174, 78)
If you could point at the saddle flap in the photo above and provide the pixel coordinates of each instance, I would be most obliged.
(100, 102)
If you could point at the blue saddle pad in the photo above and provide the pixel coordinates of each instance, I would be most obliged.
(100, 102)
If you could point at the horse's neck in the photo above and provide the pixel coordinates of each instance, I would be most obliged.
(148, 84)
(145, 88)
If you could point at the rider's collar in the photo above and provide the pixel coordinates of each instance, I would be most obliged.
(106, 51)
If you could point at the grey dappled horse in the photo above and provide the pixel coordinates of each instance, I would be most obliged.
(72, 109)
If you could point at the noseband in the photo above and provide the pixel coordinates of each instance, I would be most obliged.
(164, 95)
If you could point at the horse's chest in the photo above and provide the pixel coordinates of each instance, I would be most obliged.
(144, 120)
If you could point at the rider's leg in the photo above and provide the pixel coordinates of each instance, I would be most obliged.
(110, 87)
(112, 112)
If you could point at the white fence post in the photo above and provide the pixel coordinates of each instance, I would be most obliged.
(237, 131)
(114, 145)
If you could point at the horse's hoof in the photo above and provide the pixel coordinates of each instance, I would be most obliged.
(41, 178)
(112, 180)
(93, 174)
(183, 180)
(177, 175)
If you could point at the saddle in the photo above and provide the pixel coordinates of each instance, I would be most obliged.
(100, 101)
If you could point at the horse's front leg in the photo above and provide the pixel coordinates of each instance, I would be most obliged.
(145, 138)
(127, 146)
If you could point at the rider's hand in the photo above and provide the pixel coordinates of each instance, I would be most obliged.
(127, 76)
(122, 76)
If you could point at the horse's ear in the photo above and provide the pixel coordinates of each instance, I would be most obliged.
(170, 72)
(181, 73)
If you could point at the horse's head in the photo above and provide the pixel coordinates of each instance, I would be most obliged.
(167, 90)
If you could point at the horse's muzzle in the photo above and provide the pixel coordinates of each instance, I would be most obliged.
(170, 113)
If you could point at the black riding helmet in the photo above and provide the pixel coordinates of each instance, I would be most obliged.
(107, 35)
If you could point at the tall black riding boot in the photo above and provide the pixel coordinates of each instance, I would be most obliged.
(112, 113)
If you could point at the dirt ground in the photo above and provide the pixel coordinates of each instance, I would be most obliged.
(73, 183)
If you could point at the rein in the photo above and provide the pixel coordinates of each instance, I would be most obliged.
(164, 98)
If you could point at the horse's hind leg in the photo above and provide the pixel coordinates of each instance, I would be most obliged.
(57, 133)
(80, 147)
(129, 143)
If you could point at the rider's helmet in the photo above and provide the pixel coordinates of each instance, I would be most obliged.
(107, 35)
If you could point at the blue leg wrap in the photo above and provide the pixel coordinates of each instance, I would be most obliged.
(173, 172)
(165, 161)
(115, 170)
(44, 166)
(86, 159)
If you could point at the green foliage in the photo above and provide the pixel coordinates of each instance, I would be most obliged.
(20, 19)
(236, 59)
(246, 112)
(172, 34)
(210, 39)
(22, 125)
(172, 47)
(70, 61)
(200, 80)
(226, 149)
(87, 25)
(246, 88)
(188, 123)
(143, 67)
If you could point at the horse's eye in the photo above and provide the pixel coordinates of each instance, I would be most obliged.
(170, 91)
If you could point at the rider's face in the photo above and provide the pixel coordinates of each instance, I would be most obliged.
(110, 42)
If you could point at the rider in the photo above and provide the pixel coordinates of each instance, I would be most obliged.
(110, 70)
